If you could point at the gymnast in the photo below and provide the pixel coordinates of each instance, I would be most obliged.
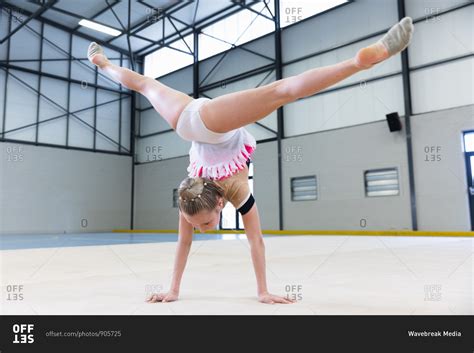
(221, 147)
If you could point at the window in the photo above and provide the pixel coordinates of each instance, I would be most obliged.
(304, 188)
(381, 182)
(236, 29)
(231, 31)
(469, 142)
(166, 60)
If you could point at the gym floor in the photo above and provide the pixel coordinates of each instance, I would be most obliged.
(112, 273)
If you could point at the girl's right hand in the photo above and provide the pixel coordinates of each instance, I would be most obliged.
(163, 297)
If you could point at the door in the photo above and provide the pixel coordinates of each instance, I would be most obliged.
(469, 148)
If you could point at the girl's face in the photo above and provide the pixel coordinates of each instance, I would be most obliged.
(206, 220)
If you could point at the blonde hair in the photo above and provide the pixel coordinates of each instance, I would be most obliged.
(198, 194)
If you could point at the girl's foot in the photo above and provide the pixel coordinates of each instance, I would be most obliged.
(96, 55)
(393, 42)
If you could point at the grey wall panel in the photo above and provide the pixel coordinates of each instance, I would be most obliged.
(82, 97)
(151, 121)
(108, 120)
(154, 184)
(425, 8)
(443, 37)
(339, 159)
(265, 161)
(443, 86)
(81, 135)
(59, 39)
(56, 91)
(25, 45)
(55, 130)
(21, 105)
(181, 80)
(235, 62)
(52, 190)
(387, 67)
(259, 132)
(351, 106)
(142, 102)
(163, 146)
(81, 70)
(264, 45)
(441, 187)
(338, 26)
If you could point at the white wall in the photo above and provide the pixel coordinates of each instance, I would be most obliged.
(441, 185)
(52, 190)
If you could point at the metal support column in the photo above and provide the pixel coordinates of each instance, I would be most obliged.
(408, 113)
(280, 125)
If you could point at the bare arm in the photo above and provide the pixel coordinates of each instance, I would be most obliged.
(182, 251)
(185, 239)
(257, 250)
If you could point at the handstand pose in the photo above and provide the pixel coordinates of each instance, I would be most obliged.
(221, 146)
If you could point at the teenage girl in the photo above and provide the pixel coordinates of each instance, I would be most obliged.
(221, 146)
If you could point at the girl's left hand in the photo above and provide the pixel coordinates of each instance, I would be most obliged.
(268, 298)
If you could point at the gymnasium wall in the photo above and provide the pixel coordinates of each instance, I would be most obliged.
(342, 131)
(51, 190)
(439, 168)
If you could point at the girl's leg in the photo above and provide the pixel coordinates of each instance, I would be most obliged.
(168, 102)
(234, 110)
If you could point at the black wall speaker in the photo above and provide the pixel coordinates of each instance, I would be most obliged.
(394, 123)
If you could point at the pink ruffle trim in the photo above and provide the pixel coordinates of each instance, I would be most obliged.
(222, 170)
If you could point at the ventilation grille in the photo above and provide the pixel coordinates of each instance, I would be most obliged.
(381, 182)
(304, 188)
